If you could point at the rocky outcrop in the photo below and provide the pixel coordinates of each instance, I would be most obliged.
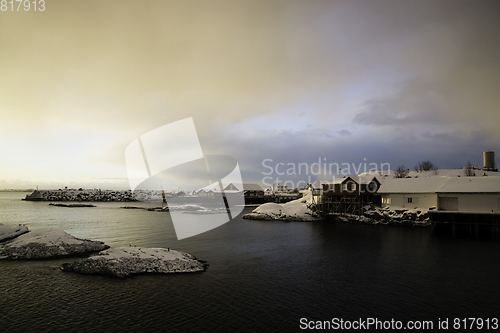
(151, 209)
(125, 261)
(281, 217)
(8, 231)
(385, 216)
(46, 243)
(72, 205)
(296, 210)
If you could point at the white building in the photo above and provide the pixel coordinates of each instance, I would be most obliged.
(465, 194)
(280, 188)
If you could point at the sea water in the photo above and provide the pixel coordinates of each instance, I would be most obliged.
(263, 275)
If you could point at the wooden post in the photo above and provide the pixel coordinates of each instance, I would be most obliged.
(453, 227)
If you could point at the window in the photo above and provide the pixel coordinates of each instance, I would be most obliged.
(344, 187)
(353, 187)
(413, 200)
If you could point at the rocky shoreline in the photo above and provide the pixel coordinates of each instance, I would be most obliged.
(280, 217)
(385, 216)
(298, 211)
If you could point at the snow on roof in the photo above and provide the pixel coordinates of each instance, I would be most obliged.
(340, 180)
(448, 173)
(231, 187)
(378, 173)
(317, 185)
(363, 179)
(252, 187)
(471, 184)
(366, 179)
(411, 185)
(233, 192)
(381, 176)
(441, 185)
(205, 190)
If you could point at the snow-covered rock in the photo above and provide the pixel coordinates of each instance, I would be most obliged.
(8, 231)
(375, 213)
(124, 261)
(71, 205)
(378, 215)
(45, 243)
(296, 210)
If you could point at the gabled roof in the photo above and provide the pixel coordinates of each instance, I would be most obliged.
(366, 179)
(231, 187)
(203, 190)
(316, 185)
(341, 180)
(441, 185)
(252, 187)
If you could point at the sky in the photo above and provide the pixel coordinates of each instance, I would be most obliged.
(273, 84)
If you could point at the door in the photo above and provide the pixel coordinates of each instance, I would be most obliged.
(448, 203)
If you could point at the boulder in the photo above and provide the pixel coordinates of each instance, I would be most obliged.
(46, 243)
(125, 261)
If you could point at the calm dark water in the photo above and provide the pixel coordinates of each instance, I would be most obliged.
(263, 276)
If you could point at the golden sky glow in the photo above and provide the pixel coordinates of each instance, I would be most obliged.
(393, 81)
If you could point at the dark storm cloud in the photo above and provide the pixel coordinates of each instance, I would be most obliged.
(417, 106)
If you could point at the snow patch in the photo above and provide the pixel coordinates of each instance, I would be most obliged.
(45, 243)
(125, 261)
(296, 210)
(8, 232)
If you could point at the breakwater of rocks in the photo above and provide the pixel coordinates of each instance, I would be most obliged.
(98, 195)
(80, 195)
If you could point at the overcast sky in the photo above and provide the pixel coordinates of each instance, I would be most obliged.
(289, 81)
